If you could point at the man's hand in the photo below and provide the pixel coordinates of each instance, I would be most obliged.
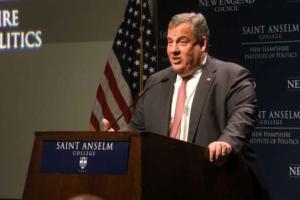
(219, 151)
(107, 124)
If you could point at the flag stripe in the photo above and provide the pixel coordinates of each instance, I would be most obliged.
(111, 103)
(133, 55)
(122, 84)
(98, 113)
(105, 108)
(116, 92)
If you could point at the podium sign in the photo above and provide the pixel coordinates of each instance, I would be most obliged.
(100, 157)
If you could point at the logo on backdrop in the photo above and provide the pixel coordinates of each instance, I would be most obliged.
(270, 41)
(278, 117)
(12, 38)
(294, 170)
(221, 6)
(277, 127)
(293, 84)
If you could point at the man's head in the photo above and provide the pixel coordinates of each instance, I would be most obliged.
(187, 42)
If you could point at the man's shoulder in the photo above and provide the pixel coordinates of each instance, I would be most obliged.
(226, 66)
(228, 71)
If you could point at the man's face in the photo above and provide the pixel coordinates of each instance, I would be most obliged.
(183, 51)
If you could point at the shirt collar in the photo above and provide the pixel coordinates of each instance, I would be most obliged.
(197, 74)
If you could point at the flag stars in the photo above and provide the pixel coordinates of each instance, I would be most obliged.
(127, 45)
(129, 42)
(134, 85)
(118, 42)
(130, 10)
(147, 43)
(145, 66)
(137, 62)
(135, 74)
(151, 70)
(148, 32)
(153, 58)
(120, 31)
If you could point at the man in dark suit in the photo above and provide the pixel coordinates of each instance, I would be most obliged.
(219, 99)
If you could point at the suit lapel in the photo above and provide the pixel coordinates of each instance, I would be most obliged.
(165, 103)
(203, 87)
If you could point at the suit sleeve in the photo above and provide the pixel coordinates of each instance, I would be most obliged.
(241, 110)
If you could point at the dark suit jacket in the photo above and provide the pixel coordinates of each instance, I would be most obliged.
(224, 106)
(223, 109)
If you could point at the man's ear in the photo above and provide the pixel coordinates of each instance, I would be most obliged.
(203, 43)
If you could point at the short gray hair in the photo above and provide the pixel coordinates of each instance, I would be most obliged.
(198, 21)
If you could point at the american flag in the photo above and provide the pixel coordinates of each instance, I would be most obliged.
(132, 60)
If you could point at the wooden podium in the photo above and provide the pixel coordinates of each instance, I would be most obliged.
(157, 167)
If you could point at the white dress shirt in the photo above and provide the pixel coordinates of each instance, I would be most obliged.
(190, 93)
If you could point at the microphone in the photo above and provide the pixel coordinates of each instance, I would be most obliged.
(165, 79)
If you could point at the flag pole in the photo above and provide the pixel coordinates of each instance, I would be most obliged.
(141, 49)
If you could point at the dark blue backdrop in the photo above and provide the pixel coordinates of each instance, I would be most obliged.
(263, 36)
